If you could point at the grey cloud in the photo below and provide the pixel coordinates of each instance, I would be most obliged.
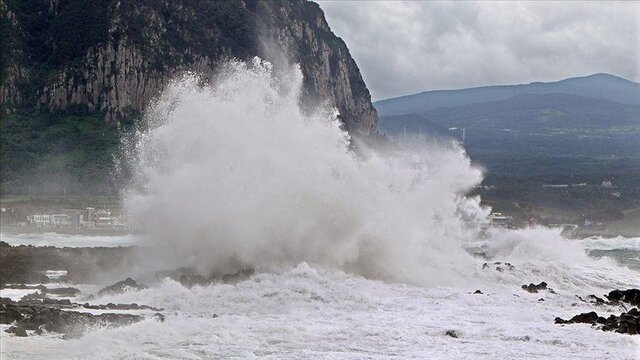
(408, 47)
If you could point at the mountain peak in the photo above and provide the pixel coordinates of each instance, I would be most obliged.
(600, 77)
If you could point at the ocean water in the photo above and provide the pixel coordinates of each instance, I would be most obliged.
(367, 255)
(625, 251)
(309, 312)
(64, 240)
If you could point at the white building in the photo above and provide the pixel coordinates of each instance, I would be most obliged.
(60, 220)
(40, 220)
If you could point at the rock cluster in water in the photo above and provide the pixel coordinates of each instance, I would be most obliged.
(55, 316)
(189, 277)
(40, 313)
(498, 266)
(627, 323)
(533, 288)
(122, 286)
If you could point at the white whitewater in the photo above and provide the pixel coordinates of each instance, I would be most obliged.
(356, 257)
(234, 176)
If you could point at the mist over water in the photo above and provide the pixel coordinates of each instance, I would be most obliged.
(235, 175)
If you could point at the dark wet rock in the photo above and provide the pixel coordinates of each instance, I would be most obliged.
(65, 291)
(33, 296)
(159, 317)
(477, 292)
(62, 302)
(588, 318)
(188, 277)
(17, 331)
(122, 286)
(453, 333)
(73, 322)
(238, 276)
(27, 264)
(58, 315)
(39, 299)
(541, 299)
(9, 314)
(592, 299)
(630, 296)
(532, 288)
(498, 266)
(626, 323)
(596, 299)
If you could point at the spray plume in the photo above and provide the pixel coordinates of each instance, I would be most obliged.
(233, 175)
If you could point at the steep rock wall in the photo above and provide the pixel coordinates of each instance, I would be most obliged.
(114, 57)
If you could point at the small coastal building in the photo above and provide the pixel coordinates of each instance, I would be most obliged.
(60, 220)
(39, 220)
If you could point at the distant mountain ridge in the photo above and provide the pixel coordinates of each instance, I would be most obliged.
(538, 111)
(599, 86)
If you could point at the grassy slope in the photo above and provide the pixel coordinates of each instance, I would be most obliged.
(56, 153)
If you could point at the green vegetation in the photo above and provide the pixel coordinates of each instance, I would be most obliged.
(56, 153)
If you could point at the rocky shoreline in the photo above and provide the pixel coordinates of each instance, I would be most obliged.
(628, 322)
(41, 314)
(28, 264)
(49, 308)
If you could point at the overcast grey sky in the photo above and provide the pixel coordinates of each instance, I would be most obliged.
(408, 47)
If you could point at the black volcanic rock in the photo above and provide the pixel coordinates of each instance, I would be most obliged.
(65, 291)
(59, 316)
(122, 286)
(8, 314)
(452, 333)
(17, 331)
(626, 323)
(26, 264)
(588, 318)
(631, 296)
(532, 288)
(188, 277)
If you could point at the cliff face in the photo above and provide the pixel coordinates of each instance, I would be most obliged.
(114, 56)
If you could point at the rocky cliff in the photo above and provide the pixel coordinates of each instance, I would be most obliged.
(112, 56)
